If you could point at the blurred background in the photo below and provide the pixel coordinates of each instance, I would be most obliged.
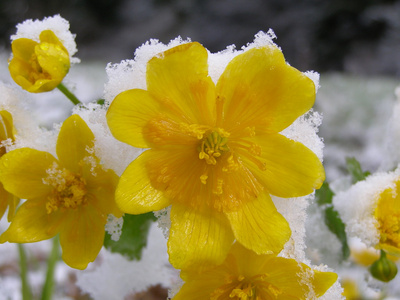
(358, 36)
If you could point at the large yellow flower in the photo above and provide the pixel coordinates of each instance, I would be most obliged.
(7, 131)
(247, 276)
(215, 151)
(387, 214)
(39, 67)
(71, 196)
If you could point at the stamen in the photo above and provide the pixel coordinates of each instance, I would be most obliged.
(218, 188)
(194, 130)
(69, 190)
(232, 164)
(389, 228)
(203, 179)
(213, 146)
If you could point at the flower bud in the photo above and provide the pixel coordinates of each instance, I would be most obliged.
(383, 269)
(39, 66)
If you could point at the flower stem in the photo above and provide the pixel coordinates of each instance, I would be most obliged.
(47, 290)
(68, 94)
(25, 287)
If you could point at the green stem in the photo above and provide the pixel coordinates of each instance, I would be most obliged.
(25, 287)
(68, 94)
(51, 266)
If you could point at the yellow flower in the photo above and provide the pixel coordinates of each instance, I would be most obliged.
(351, 290)
(7, 131)
(247, 276)
(39, 67)
(366, 256)
(71, 196)
(387, 214)
(215, 151)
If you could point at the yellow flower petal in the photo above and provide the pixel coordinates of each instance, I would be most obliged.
(74, 141)
(258, 226)
(388, 202)
(12, 206)
(22, 172)
(3, 200)
(292, 170)
(7, 200)
(197, 239)
(32, 223)
(322, 281)
(178, 78)
(7, 129)
(23, 48)
(288, 275)
(101, 186)
(351, 290)
(52, 56)
(253, 264)
(82, 237)
(259, 89)
(48, 36)
(128, 115)
(20, 71)
(135, 193)
(200, 287)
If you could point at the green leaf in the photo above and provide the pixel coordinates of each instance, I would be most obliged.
(324, 197)
(134, 236)
(337, 227)
(355, 170)
(100, 101)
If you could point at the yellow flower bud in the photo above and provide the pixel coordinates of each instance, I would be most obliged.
(383, 269)
(39, 67)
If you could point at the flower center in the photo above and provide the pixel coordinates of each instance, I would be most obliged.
(69, 190)
(389, 228)
(240, 288)
(36, 72)
(213, 146)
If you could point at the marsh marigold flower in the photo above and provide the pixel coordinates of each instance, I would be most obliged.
(7, 131)
(387, 214)
(245, 275)
(70, 196)
(39, 66)
(215, 152)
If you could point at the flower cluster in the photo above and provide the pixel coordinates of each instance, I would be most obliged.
(220, 159)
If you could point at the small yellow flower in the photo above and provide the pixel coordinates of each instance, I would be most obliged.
(7, 131)
(39, 67)
(366, 256)
(387, 214)
(351, 290)
(215, 151)
(247, 276)
(71, 196)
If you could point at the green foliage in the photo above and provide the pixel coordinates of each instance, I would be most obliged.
(134, 236)
(332, 219)
(101, 101)
(354, 168)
